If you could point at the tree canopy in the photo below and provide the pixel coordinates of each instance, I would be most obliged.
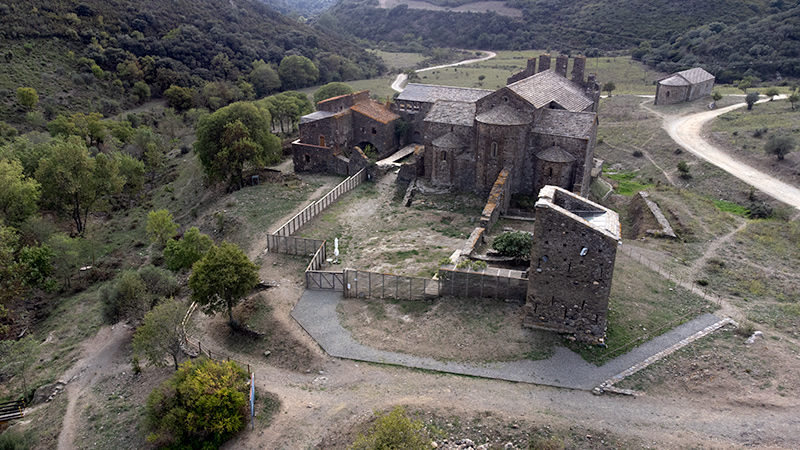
(233, 138)
(297, 72)
(286, 108)
(75, 183)
(331, 90)
(160, 226)
(188, 250)
(161, 333)
(220, 280)
(19, 194)
(264, 78)
(780, 146)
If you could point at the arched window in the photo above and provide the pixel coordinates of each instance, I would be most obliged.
(444, 156)
(667, 94)
(494, 149)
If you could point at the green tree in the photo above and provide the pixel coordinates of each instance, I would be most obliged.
(794, 97)
(222, 278)
(75, 183)
(126, 298)
(286, 108)
(771, 92)
(88, 126)
(179, 98)
(150, 147)
(200, 407)
(715, 96)
(27, 97)
(66, 256)
(160, 226)
(751, 99)
(141, 91)
(297, 72)
(331, 90)
(683, 168)
(780, 146)
(264, 78)
(608, 87)
(516, 244)
(20, 357)
(161, 333)
(233, 138)
(188, 250)
(394, 431)
(19, 195)
(746, 83)
(12, 284)
(133, 171)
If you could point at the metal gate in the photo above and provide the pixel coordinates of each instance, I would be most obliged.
(329, 281)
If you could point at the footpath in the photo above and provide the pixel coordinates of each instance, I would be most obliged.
(316, 313)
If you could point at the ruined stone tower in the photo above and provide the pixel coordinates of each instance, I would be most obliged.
(574, 248)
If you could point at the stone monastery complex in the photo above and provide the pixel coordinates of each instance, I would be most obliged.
(535, 137)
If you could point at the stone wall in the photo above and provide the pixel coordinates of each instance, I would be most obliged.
(380, 135)
(581, 149)
(498, 201)
(667, 95)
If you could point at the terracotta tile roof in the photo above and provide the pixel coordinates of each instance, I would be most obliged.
(503, 115)
(548, 86)
(375, 110)
(430, 93)
(564, 123)
(452, 113)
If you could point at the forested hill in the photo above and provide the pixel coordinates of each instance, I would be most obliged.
(189, 40)
(300, 7)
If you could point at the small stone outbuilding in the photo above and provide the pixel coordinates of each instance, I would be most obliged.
(684, 86)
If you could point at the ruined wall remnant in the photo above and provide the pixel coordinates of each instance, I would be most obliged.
(572, 263)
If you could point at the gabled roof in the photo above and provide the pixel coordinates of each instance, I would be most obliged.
(503, 115)
(674, 80)
(546, 87)
(452, 113)
(696, 75)
(375, 110)
(559, 122)
(430, 93)
(449, 140)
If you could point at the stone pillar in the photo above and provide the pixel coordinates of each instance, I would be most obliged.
(578, 66)
(531, 69)
(561, 65)
(544, 62)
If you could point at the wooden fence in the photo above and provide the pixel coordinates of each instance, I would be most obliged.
(312, 210)
(189, 346)
(360, 283)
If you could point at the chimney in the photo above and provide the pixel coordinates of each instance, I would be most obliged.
(561, 65)
(531, 69)
(591, 79)
(578, 65)
(544, 62)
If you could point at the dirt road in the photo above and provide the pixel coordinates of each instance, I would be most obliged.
(687, 132)
(397, 84)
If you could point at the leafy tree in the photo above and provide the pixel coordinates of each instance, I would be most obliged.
(780, 146)
(683, 168)
(794, 97)
(233, 138)
(19, 194)
(608, 87)
(200, 407)
(394, 431)
(222, 278)
(715, 96)
(27, 97)
(20, 357)
(150, 147)
(286, 108)
(133, 171)
(160, 226)
(188, 250)
(12, 284)
(771, 92)
(88, 126)
(161, 333)
(28, 149)
(297, 72)
(264, 78)
(746, 83)
(179, 98)
(331, 90)
(141, 91)
(75, 183)
(126, 298)
(66, 255)
(36, 263)
(751, 99)
(516, 244)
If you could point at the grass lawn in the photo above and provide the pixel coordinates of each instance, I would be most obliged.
(750, 130)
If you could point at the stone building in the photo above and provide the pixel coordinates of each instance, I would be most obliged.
(572, 262)
(542, 127)
(684, 86)
(334, 138)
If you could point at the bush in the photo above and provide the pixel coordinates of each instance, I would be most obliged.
(516, 244)
(394, 431)
(159, 282)
(12, 440)
(184, 253)
(780, 146)
(132, 295)
(200, 407)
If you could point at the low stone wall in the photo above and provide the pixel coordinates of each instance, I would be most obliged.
(648, 217)
(498, 201)
(491, 282)
(475, 239)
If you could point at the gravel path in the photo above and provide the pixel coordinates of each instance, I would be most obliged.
(316, 313)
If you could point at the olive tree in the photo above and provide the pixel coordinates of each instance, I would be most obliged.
(222, 278)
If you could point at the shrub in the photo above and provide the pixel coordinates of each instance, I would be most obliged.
(780, 146)
(638, 153)
(516, 244)
(159, 282)
(184, 253)
(200, 407)
(126, 298)
(394, 431)
(12, 440)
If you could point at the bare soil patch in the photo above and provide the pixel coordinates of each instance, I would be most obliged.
(447, 328)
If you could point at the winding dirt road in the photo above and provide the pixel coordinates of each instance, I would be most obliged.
(397, 84)
(687, 132)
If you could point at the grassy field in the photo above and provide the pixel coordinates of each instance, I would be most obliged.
(749, 130)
